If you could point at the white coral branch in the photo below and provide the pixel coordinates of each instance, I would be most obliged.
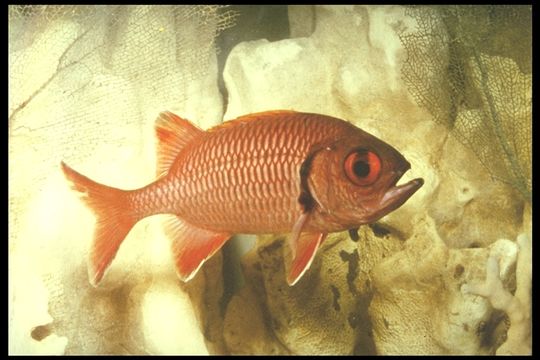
(518, 306)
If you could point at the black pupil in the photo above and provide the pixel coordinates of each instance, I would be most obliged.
(361, 168)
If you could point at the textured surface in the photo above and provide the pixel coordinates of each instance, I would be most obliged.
(420, 307)
(91, 97)
(251, 168)
(484, 93)
(273, 166)
(85, 86)
(406, 299)
(325, 313)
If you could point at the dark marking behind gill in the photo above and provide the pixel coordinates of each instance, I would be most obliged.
(306, 199)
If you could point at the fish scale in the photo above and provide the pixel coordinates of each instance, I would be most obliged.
(271, 172)
(260, 174)
(200, 181)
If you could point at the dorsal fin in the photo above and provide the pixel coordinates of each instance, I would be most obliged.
(173, 134)
(248, 117)
(251, 117)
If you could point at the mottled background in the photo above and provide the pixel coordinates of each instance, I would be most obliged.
(448, 86)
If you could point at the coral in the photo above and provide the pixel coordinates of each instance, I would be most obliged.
(476, 81)
(205, 292)
(468, 207)
(351, 77)
(517, 306)
(325, 313)
(85, 86)
(481, 57)
(413, 303)
(417, 306)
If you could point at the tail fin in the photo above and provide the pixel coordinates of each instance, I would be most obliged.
(114, 220)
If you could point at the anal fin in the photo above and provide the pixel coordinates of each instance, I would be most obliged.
(192, 246)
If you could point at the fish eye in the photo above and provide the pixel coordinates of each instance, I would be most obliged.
(362, 167)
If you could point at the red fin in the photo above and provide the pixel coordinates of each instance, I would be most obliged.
(297, 230)
(192, 246)
(173, 134)
(303, 246)
(251, 117)
(113, 220)
(260, 114)
(306, 248)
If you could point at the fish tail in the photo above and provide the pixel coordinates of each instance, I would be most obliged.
(114, 220)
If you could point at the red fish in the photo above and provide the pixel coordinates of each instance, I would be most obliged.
(271, 172)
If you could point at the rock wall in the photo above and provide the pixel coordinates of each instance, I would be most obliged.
(398, 289)
(86, 85)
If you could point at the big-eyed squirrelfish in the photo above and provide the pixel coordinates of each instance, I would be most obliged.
(270, 172)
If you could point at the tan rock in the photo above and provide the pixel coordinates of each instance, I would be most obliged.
(471, 209)
(86, 85)
(326, 312)
(418, 306)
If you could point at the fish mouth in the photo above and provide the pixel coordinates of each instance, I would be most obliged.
(396, 195)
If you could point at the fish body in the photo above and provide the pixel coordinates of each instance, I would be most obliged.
(272, 172)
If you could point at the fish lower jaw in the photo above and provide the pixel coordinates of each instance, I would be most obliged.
(397, 195)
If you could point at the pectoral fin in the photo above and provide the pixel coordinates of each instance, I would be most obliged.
(303, 247)
(306, 246)
(192, 246)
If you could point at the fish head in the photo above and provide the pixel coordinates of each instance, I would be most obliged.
(354, 180)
